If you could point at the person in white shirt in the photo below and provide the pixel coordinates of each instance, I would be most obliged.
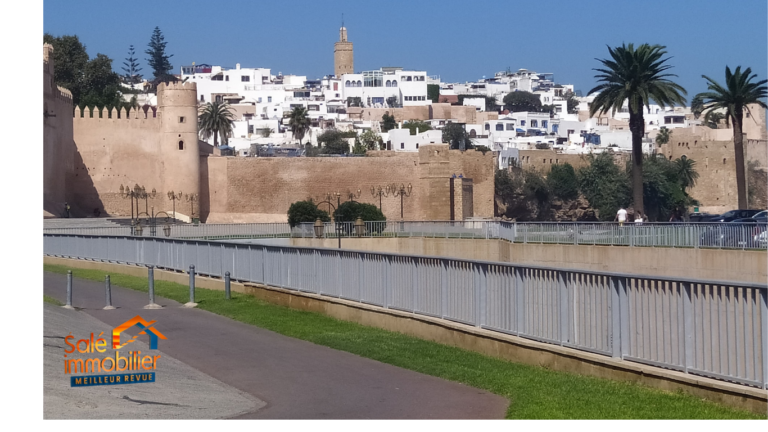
(621, 216)
(639, 218)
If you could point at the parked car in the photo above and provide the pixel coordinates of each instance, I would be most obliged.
(739, 233)
(762, 216)
(731, 215)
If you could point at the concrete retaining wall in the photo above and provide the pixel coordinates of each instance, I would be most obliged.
(712, 264)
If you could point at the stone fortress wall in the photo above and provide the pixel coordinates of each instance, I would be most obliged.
(261, 189)
(58, 147)
(157, 150)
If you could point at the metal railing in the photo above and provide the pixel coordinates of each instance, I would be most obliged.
(709, 328)
(683, 235)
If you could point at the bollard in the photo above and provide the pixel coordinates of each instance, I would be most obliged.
(108, 290)
(191, 303)
(226, 285)
(151, 279)
(69, 291)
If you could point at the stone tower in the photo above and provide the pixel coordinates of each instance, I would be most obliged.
(177, 104)
(343, 59)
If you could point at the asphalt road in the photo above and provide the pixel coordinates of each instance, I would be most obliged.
(296, 379)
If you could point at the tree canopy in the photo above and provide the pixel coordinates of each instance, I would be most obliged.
(131, 68)
(522, 101)
(299, 122)
(158, 60)
(305, 211)
(215, 119)
(414, 125)
(456, 136)
(92, 82)
(740, 90)
(635, 76)
(333, 142)
(388, 122)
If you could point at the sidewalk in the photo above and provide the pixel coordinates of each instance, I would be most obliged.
(181, 392)
(296, 379)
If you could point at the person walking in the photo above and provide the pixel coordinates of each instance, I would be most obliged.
(621, 216)
(66, 208)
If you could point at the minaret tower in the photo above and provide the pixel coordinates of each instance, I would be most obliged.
(343, 59)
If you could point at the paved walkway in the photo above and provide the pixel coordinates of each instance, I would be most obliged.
(296, 379)
(182, 392)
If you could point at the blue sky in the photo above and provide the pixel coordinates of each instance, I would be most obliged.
(458, 40)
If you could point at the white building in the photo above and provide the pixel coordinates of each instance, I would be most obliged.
(402, 140)
(386, 88)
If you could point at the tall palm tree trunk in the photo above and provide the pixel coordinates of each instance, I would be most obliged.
(738, 147)
(637, 127)
(215, 138)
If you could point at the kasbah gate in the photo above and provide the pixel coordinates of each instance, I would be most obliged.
(89, 155)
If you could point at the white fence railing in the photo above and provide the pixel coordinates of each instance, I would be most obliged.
(685, 235)
(709, 328)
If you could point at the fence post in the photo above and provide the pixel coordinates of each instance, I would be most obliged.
(481, 289)
(191, 302)
(764, 337)
(617, 286)
(562, 297)
(151, 279)
(688, 330)
(519, 300)
(443, 288)
(108, 290)
(69, 291)
(226, 285)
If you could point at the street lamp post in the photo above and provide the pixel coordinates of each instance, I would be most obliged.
(137, 193)
(380, 192)
(173, 197)
(191, 198)
(401, 192)
(319, 229)
(152, 223)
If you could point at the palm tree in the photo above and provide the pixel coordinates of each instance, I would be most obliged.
(686, 170)
(299, 122)
(215, 119)
(739, 91)
(635, 76)
(712, 118)
(663, 136)
(697, 106)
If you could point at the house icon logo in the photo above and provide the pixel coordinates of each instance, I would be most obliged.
(146, 329)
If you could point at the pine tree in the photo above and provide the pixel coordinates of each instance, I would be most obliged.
(131, 69)
(158, 60)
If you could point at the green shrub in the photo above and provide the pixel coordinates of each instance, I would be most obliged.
(305, 211)
(562, 182)
(351, 210)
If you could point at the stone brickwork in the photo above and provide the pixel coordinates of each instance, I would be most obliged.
(343, 55)
(456, 113)
(58, 147)
(262, 189)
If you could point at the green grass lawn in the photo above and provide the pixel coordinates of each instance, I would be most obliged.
(533, 392)
(52, 300)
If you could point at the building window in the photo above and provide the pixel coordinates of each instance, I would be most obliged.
(359, 83)
(388, 83)
(499, 126)
(202, 98)
(570, 131)
(522, 122)
(346, 83)
(269, 98)
(335, 86)
(417, 146)
(472, 133)
(181, 145)
(544, 124)
(487, 126)
(394, 83)
(534, 123)
(402, 146)
(245, 78)
(510, 127)
(259, 99)
(182, 120)
(226, 78)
